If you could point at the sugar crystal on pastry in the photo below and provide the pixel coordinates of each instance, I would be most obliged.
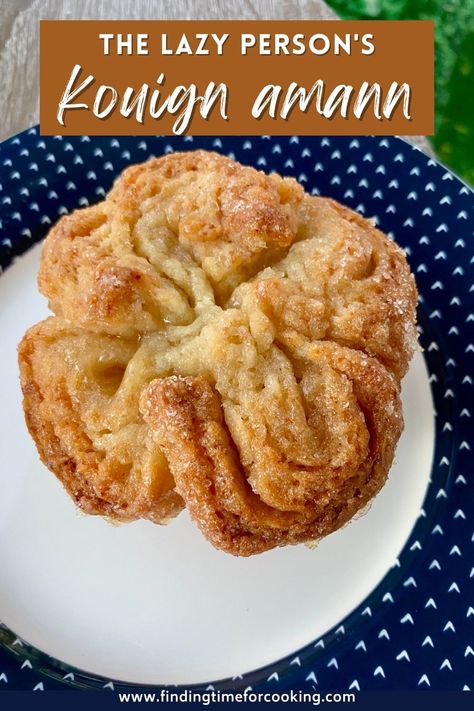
(221, 341)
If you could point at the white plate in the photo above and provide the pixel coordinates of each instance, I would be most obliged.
(150, 604)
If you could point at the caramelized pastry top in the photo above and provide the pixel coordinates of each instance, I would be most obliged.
(224, 341)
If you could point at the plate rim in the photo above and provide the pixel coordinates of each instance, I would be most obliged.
(52, 668)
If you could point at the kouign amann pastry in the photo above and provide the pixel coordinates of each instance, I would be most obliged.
(221, 341)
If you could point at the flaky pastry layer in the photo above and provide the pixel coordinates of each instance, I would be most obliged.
(224, 341)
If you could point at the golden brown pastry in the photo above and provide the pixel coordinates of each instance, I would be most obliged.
(92, 437)
(222, 341)
(292, 459)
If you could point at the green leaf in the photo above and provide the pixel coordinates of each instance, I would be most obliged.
(454, 138)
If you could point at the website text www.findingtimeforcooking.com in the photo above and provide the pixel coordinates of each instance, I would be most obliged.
(207, 698)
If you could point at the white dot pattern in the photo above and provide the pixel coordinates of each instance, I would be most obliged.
(416, 630)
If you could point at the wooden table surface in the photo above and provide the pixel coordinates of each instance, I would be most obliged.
(19, 33)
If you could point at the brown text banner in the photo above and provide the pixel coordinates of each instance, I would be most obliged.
(242, 78)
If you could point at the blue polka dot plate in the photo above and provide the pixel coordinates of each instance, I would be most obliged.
(385, 603)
